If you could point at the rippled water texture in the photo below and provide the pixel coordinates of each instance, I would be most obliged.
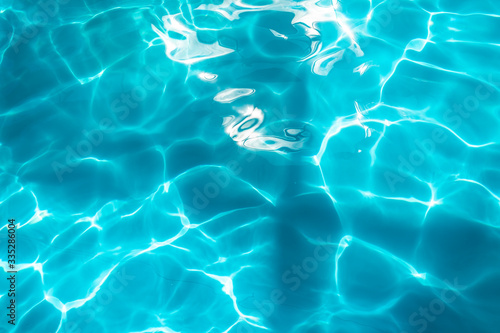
(251, 166)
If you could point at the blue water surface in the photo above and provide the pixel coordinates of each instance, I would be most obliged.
(251, 166)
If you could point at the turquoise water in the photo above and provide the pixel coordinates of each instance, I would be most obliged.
(251, 166)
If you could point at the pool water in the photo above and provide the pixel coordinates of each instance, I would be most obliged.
(251, 166)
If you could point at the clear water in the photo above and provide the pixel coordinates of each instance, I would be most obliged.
(251, 166)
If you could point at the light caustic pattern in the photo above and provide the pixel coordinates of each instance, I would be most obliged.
(252, 166)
